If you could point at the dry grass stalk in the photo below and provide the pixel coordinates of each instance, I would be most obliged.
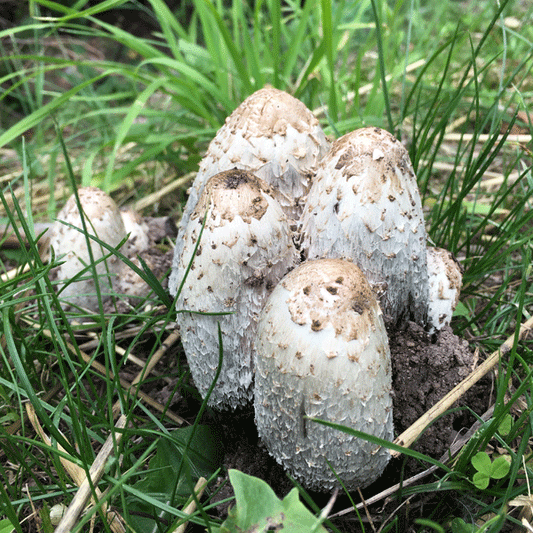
(86, 487)
(164, 191)
(126, 385)
(484, 137)
(454, 448)
(13, 273)
(147, 369)
(191, 507)
(78, 476)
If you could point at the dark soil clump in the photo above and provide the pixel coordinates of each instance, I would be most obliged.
(425, 368)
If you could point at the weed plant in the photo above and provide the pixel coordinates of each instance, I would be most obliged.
(86, 102)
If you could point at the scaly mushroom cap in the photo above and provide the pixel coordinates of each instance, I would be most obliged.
(322, 351)
(103, 219)
(245, 249)
(364, 206)
(445, 282)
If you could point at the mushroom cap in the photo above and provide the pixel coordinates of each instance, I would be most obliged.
(364, 206)
(103, 220)
(445, 282)
(322, 351)
(246, 248)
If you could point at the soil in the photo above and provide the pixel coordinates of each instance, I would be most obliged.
(425, 368)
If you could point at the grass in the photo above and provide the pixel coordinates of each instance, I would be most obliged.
(133, 115)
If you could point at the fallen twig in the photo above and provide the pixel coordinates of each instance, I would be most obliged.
(147, 369)
(454, 448)
(85, 488)
(191, 507)
(106, 374)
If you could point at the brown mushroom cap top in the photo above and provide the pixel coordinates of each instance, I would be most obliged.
(234, 193)
(270, 111)
(330, 292)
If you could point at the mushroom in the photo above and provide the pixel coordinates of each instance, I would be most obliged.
(445, 281)
(245, 248)
(271, 134)
(364, 206)
(138, 231)
(102, 219)
(322, 351)
(112, 226)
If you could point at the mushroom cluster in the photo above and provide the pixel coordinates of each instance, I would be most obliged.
(304, 252)
(100, 221)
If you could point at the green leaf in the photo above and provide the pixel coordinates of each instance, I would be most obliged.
(6, 526)
(460, 526)
(500, 468)
(505, 426)
(173, 471)
(258, 509)
(462, 310)
(481, 462)
(481, 480)
(487, 469)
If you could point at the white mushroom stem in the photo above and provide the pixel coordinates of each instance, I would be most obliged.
(246, 247)
(322, 351)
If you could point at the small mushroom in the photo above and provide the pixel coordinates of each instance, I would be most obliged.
(322, 351)
(246, 247)
(364, 206)
(103, 219)
(112, 226)
(138, 232)
(445, 281)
